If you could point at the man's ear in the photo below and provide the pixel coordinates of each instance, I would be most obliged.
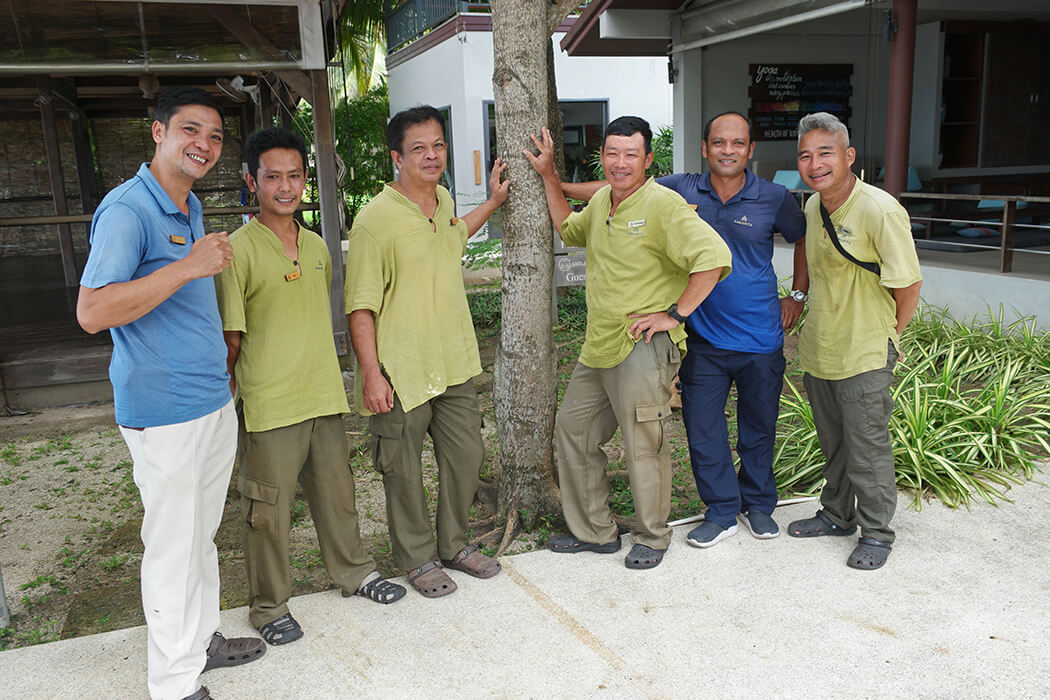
(157, 130)
(250, 181)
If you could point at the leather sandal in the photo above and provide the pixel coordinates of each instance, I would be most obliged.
(431, 580)
(224, 652)
(471, 561)
(282, 630)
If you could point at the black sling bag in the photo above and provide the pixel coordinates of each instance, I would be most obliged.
(830, 228)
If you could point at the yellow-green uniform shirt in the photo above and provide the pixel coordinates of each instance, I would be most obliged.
(287, 370)
(852, 314)
(406, 269)
(638, 262)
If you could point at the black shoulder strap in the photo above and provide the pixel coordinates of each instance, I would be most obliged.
(830, 228)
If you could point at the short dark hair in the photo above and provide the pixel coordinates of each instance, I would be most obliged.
(173, 98)
(750, 127)
(265, 140)
(395, 129)
(629, 126)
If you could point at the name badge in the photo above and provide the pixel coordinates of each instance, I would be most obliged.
(177, 240)
(454, 221)
(292, 276)
(636, 228)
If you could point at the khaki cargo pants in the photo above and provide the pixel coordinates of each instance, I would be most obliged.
(314, 454)
(453, 420)
(635, 396)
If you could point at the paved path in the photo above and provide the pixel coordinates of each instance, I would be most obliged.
(960, 610)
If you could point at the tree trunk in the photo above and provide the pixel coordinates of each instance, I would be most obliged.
(524, 379)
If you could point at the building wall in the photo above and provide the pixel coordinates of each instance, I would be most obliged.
(458, 72)
(121, 145)
(846, 38)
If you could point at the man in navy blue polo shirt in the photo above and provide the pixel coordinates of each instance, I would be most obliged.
(737, 334)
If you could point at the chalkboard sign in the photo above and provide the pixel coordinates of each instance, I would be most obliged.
(783, 93)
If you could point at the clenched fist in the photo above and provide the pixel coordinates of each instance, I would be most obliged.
(210, 255)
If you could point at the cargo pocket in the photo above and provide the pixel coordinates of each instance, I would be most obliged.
(387, 430)
(260, 504)
(649, 428)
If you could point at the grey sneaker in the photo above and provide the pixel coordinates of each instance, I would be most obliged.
(761, 525)
(709, 534)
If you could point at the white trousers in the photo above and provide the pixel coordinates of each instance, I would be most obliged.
(183, 472)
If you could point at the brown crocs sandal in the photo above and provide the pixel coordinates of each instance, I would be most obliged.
(223, 652)
(431, 580)
(471, 561)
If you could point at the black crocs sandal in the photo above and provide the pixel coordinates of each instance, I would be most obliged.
(282, 630)
(380, 590)
(567, 543)
(869, 554)
(643, 557)
(818, 526)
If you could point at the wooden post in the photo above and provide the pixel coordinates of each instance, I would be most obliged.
(58, 188)
(898, 103)
(265, 111)
(1006, 253)
(331, 201)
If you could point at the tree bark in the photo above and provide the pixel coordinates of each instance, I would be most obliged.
(524, 378)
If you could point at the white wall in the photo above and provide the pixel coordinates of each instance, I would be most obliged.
(458, 71)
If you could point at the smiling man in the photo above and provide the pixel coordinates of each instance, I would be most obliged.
(737, 334)
(417, 353)
(274, 301)
(148, 280)
(864, 287)
(650, 263)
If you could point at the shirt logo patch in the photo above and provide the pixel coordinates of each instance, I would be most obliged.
(844, 232)
(743, 221)
(177, 240)
(636, 228)
(319, 266)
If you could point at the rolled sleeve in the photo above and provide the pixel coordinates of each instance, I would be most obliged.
(229, 290)
(694, 245)
(365, 272)
(896, 248)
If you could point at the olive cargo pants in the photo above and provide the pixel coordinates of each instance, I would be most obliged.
(314, 454)
(634, 395)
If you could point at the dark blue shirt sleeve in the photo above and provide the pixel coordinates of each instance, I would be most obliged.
(790, 221)
(671, 182)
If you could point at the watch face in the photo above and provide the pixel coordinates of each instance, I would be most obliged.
(798, 295)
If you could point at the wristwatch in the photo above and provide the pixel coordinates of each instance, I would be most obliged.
(799, 296)
(672, 311)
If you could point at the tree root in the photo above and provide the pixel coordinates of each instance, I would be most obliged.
(509, 532)
(484, 522)
(484, 538)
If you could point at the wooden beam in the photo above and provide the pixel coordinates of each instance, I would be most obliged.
(246, 33)
(58, 188)
(264, 114)
(331, 201)
(85, 161)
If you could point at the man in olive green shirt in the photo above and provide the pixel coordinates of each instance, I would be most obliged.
(416, 351)
(650, 262)
(850, 341)
(276, 319)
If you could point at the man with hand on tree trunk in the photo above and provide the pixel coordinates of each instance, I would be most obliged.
(737, 334)
(416, 352)
(650, 262)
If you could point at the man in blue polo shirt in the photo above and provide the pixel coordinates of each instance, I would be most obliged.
(736, 336)
(148, 279)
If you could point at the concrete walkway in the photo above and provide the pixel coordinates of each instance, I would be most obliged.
(960, 610)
